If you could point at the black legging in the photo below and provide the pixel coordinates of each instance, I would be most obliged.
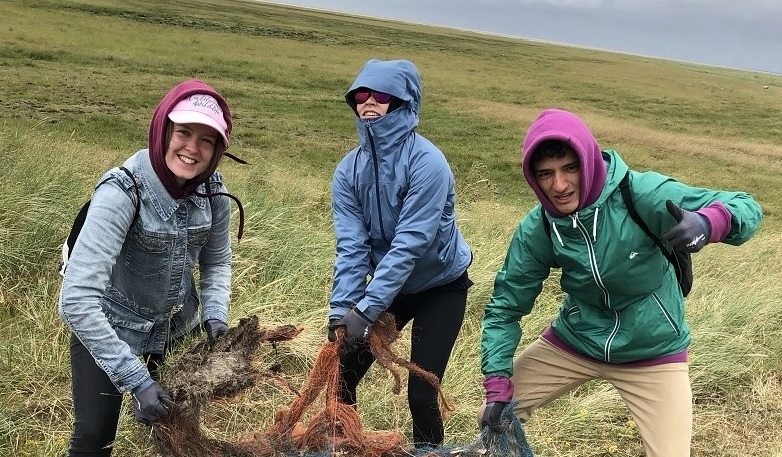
(437, 316)
(96, 403)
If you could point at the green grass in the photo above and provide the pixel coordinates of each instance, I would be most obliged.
(80, 80)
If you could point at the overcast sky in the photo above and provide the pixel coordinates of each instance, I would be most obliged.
(745, 34)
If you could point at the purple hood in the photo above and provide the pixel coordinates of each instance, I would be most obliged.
(157, 135)
(554, 124)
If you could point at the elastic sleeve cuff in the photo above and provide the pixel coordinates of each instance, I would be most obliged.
(719, 219)
(498, 388)
(144, 384)
(370, 313)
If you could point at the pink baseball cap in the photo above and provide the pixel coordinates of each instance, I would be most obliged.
(200, 109)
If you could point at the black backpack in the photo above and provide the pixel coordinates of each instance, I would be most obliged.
(78, 222)
(680, 260)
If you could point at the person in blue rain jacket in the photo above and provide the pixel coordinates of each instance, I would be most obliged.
(398, 248)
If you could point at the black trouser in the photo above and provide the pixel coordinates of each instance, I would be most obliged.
(96, 403)
(437, 316)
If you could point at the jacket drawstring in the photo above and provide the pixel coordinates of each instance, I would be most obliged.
(594, 225)
(556, 232)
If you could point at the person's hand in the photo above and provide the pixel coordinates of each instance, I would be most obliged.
(499, 392)
(357, 326)
(214, 329)
(491, 416)
(692, 231)
(150, 402)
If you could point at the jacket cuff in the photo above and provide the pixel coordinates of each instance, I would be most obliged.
(370, 313)
(144, 384)
(719, 219)
(498, 388)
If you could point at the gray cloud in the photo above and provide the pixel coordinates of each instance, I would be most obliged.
(724, 33)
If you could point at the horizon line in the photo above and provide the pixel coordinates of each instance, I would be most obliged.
(518, 37)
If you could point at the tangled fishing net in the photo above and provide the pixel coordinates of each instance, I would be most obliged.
(329, 428)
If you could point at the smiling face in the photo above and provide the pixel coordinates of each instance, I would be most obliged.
(560, 180)
(190, 150)
(371, 108)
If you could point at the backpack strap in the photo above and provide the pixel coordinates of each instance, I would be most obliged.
(78, 221)
(138, 197)
(544, 218)
(624, 188)
(81, 216)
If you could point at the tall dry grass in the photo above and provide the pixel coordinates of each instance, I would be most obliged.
(80, 79)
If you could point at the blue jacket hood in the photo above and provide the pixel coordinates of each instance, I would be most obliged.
(399, 78)
(393, 204)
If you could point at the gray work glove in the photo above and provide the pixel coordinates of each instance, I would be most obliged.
(357, 326)
(214, 329)
(150, 402)
(692, 231)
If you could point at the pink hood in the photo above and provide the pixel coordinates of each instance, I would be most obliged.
(157, 135)
(554, 124)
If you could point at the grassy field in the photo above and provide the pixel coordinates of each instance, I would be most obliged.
(79, 80)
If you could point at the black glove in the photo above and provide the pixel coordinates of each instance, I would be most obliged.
(357, 326)
(150, 402)
(692, 231)
(491, 416)
(214, 329)
(332, 335)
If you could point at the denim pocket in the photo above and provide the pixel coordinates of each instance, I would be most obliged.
(197, 237)
(149, 253)
(130, 326)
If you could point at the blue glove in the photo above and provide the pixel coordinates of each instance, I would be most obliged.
(692, 231)
(150, 402)
(357, 326)
(214, 329)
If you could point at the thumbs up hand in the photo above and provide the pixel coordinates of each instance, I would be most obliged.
(692, 231)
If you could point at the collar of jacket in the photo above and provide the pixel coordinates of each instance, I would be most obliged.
(616, 169)
(165, 205)
(387, 131)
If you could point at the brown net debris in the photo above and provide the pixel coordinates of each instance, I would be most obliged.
(315, 424)
(208, 372)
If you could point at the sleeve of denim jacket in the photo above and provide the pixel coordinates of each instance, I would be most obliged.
(214, 262)
(419, 220)
(351, 263)
(96, 250)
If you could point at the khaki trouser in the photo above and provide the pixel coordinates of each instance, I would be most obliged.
(659, 397)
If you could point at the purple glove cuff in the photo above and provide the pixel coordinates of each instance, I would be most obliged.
(719, 218)
(498, 388)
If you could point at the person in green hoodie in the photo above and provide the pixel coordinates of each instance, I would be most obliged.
(622, 316)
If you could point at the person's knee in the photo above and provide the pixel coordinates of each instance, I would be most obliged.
(420, 399)
(93, 435)
(94, 443)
